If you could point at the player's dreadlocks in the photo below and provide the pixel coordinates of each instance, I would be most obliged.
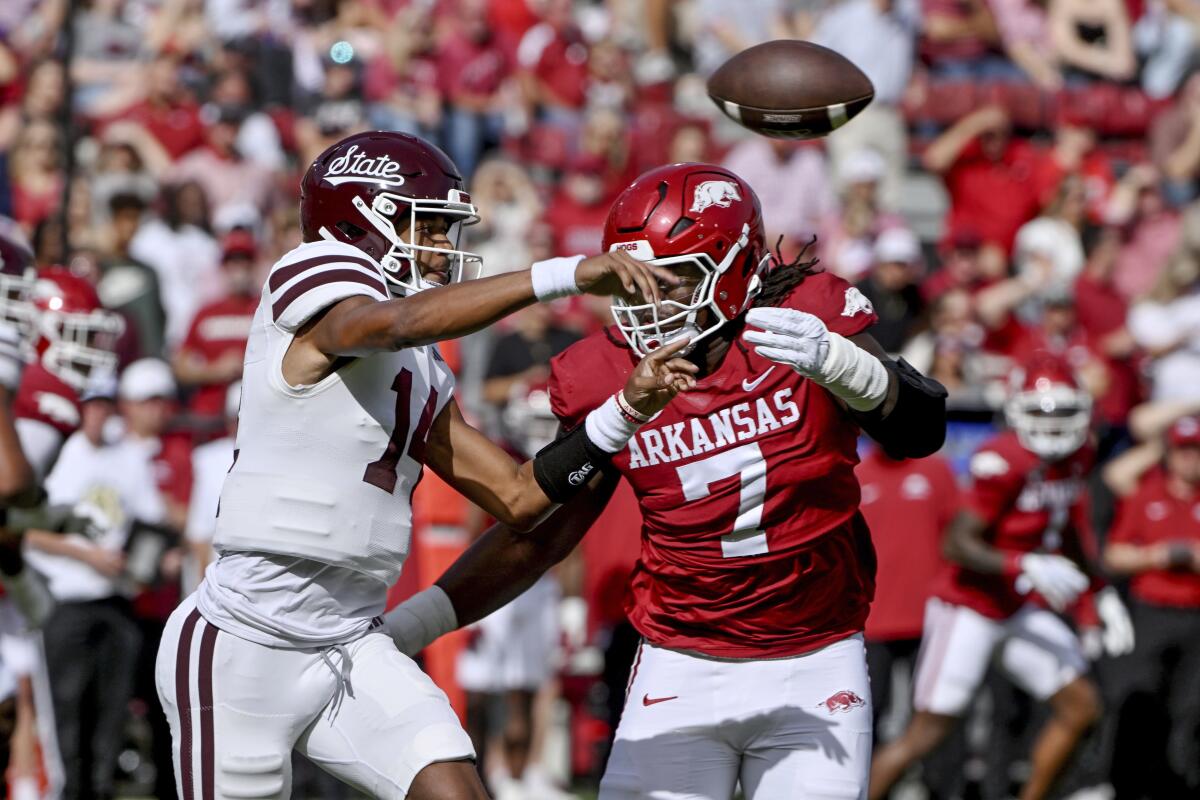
(784, 276)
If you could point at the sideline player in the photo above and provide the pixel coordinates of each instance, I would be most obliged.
(69, 339)
(1017, 547)
(344, 399)
(756, 569)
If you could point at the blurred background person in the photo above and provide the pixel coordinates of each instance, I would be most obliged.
(1156, 542)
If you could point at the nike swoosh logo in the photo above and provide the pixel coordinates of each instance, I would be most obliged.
(647, 700)
(750, 386)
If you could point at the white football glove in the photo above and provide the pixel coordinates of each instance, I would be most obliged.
(1053, 577)
(802, 341)
(1118, 636)
(794, 338)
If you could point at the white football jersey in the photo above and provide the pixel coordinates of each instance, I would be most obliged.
(326, 472)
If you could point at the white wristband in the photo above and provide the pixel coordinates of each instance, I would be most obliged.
(419, 620)
(555, 278)
(853, 374)
(609, 428)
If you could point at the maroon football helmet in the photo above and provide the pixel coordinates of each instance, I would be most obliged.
(1048, 408)
(16, 282)
(369, 188)
(692, 218)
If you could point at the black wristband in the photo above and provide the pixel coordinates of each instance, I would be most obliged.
(564, 466)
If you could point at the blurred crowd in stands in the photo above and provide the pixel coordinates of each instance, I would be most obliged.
(1026, 178)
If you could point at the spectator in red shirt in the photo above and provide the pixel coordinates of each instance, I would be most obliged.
(228, 178)
(400, 84)
(211, 356)
(578, 210)
(1156, 541)
(553, 57)
(35, 173)
(473, 65)
(168, 111)
(907, 505)
(988, 174)
(1101, 311)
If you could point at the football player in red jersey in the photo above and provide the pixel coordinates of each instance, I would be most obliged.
(1019, 551)
(756, 569)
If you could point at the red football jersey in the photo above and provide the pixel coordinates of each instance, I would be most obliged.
(907, 505)
(752, 544)
(218, 329)
(1029, 505)
(43, 397)
(1152, 515)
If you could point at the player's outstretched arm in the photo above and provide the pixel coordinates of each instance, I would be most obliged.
(499, 566)
(520, 495)
(360, 326)
(16, 476)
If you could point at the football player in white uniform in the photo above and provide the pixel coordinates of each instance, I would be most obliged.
(344, 399)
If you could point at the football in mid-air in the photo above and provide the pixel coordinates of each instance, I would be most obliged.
(789, 89)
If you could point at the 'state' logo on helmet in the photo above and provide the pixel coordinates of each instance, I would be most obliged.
(355, 166)
(714, 193)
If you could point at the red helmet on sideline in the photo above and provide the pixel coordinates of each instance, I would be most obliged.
(76, 335)
(693, 218)
(1048, 408)
(369, 188)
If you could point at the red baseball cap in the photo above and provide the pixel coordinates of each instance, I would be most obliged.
(238, 243)
(1184, 432)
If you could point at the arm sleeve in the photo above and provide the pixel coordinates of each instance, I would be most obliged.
(301, 287)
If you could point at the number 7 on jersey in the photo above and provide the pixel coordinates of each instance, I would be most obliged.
(747, 538)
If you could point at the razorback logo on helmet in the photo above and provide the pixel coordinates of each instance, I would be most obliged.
(714, 193)
(856, 303)
(355, 166)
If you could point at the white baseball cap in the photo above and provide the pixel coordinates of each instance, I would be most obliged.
(897, 245)
(863, 166)
(146, 379)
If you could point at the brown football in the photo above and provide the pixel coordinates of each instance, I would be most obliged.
(789, 89)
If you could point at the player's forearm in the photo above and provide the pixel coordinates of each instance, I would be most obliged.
(1130, 559)
(504, 562)
(964, 545)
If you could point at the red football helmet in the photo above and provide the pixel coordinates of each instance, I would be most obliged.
(1048, 409)
(370, 187)
(702, 221)
(16, 282)
(76, 336)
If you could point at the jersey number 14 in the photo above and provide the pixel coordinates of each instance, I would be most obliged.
(382, 471)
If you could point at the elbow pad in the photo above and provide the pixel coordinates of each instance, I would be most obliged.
(917, 425)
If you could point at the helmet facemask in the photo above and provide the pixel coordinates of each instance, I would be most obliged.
(401, 262)
(1052, 423)
(17, 309)
(647, 326)
(80, 345)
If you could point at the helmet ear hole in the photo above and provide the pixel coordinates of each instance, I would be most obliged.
(350, 230)
(679, 227)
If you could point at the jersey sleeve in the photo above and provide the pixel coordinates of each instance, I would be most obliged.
(582, 377)
(843, 308)
(44, 399)
(994, 485)
(312, 278)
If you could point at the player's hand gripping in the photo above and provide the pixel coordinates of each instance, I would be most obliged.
(1055, 578)
(621, 275)
(658, 377)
